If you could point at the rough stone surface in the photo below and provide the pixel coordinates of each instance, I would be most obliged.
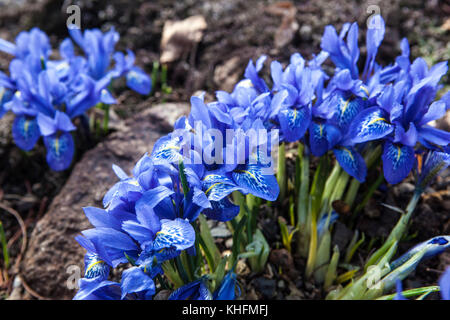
(52, 248)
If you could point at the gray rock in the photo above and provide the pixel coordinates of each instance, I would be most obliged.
(220, 231)
(226, 75)
(267, 287)
(305, 32)
(53, 254)
(229, 243)
(405, 188)
(341, 236)
(5, 132)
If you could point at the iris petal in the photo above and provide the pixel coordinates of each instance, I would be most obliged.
(175, 233)
(370, 124)
(138, 232)
(352, 162)
(91, 289)
(227, 287)
(322, 137)
(444, 284)
(139, 81)
(398, 161)
(434, 135)
(346, 111)
(294, 122)
(218, 187)
(252, 179)
(195, 290)
(60, 149)
(25, 132)
(95, 267)
(166, 148)
(223, 210)
(135, 280)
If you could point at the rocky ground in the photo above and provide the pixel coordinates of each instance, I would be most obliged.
(232, 32)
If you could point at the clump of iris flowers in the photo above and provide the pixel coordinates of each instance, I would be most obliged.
(153, 223)
(47, 94)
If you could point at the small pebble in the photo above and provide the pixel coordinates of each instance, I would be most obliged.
(229, 243)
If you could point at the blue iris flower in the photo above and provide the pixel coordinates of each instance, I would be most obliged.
(343, 48)
(98, 47)
(143, 223)
(158, 241)
(400, 118)
(444, 287)
(428, 249)
(433, 163)
(444, 284)
(147, 216)
(94, 285)
(137, 79)
(346, 95)
(34, 42)
(227, 289)
(295, 117)
(431, 248)
(7, 88)
(344, 53)
(195, 290)
(57, 139)
(234, 169)
(251, 73)
(32, 47)
(198, 290)
(405, 264)
(45, 94)
(399, 288)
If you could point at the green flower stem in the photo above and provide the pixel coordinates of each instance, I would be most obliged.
(106, 118)
(332, 267)
(43, 64)
(369, 281)
(183, 178)
(281, 172)
(312, 254)
(330, 185)
(165, 88)
(302, 204)
(371, 157)
(401, 226)
(186, 264)
(195, 262)
(398, 231)
(303, 217)
(250, 201)
(402, 271)
(182, 270)
(366, 198)
(4, 247)
(162, 282)
(352, 192)
(339, 188)
(322, 257)
(171, 273)
(413, 292)
(155, 71)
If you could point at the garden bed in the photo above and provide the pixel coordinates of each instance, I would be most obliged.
(238, 30)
